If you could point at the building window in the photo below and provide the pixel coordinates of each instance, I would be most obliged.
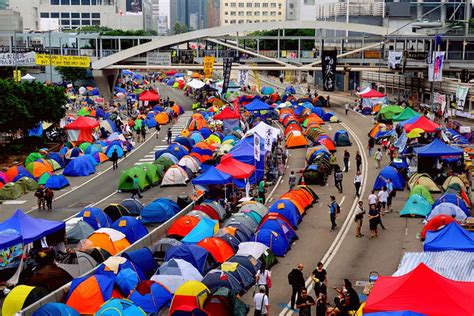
(273, 5)
(257, 21)
(241, 5)
(265, 13)
(96, 15)
(241, 21)
(75, 2)
(265, 5)
(85, 15)
(257, 5)
(75, 22)
(241, 13)
(257, 13)
(249, 4)
(232, 21)
(226, 4)
(95, 22)
(233, 13)
(249, 21)
(65, 22)
(308, 2)
(279, 13)
(226, 21)
(273, 13)
(86, 2)
(249, 13)
(54, 2)
(54, 15)
(226, 13)
(65, 2)
(65, 15)
(233, 5)
(44, 15)
(86, 22)
(75, 15)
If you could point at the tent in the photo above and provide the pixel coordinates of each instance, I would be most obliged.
(327, 142)
(414, 291)
(448, 209)
(453, 180)
(205, 228)
(212, 176)
(435, 223)
(126, 179)
(182, 226)
(112, 148)
(55, 309)
(133, 206)
(288, 210)
(389, 111)
(50, 277)
(143, 259)
(276, 242)
(190, 162)
(235, 168)
(423, 123)
(389, 173)
(109, 239)
(151, 296)
(27, 184)
(437, 148)
(30, 229)
(239, 230)
(131, 227)
(342, 138)
(17, 172)
(119, 307)
(174, 273)
(149, 95)
(245, 219)
(425, 180)
(81, 129)
(371, 93)
(159, 211)
(199, 257)
(115, 211)
(37, 168)
(278, 223)
(95, 217)
(227, 114)
(453, 199)
(56, 182)
(416, 205)
(11, 191)
(77, 229)
(257, 105)
(79, 167)
(219, 249)
(423, 191)
(216, 279)
(407, 113)
(450, 237)
(174, 176)
(219, 303)
(20, 297)
(295, 139)
(177, 150)
(191, 294)
(265, 131)
(87, 294)
(78, 263)
(244, 276)
(186, 310)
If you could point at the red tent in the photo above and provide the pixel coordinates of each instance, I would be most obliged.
(171, 73)
(227, 114)
(436, 223)
(421, 290)
(372, 94)
(81, 130)
(149, 95)
(423, 123)
(235, 168)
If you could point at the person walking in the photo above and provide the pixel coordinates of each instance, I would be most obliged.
(346, 108)
(263, 278)
(358, 183)
(304, 303)
(383, 197)
(240, 308)
(320, 279)
(338, 176)
(378, 158)
(48, 196)
(261, 191)
(333, 210)
(136, 187)
(374, 216)
(169, 136)
(333, 161)
(39, 194)
(371, 145)
(157, 128)
(378, 206)
(346, 158)
(391, 194)
(114, 159)
(359, 218)
(358, 159)
(292, 180)
(297, 282)
(143, 132)
(261, 302)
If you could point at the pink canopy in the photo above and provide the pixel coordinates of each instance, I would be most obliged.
(372, 94)
(227, 114)
(423, 123)
(235, 168)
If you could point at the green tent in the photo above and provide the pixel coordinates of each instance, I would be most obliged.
(138, 124)
(11, 191)
(389, 111)
(407, 113)
(44, 177)
(423, 191)
(84, 111)
(27, 184)
(416, 206)
(32, 157)
(126, 179)
(152, 173)
(164, 161)
(54, 164)
(84, 146)
(160, 169)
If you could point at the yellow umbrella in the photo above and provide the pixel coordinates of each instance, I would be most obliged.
(416, 132)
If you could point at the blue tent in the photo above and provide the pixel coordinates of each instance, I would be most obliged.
(131, 227)
(177, 150)
(257, 105)
(205, 228)
(56, 157)
(438, 148)
(399, 163)
(217, 279)
(133, 206)
(318, 111)
(150, 120)
(111, 148)
(281, 227)
(79, 167)
(9, 238)
(127, 280)
(159, 211)
(55, 309)
(416, 205)
(212, 176)
(56, 182)
(327, 116)
(94, 148)
(288, 210)
(92, 160)
(142, 258)
(243, 233)
(186, 142)
(450, 237)
(341, 138)
(167, 154)
(290, 90)
(95, 217)
(119, 307)
(199, 257)
(153, 297)
(127, 72)
(389, 173)
(127, 264)
(453, 198)
(205, 132)
(278, 244)
(157, 109)
(30, 229)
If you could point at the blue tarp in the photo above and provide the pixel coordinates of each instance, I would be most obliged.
(79, 167)
(212, 176)
(257, 105)
(30, 229)
(276, 242)
(389, 173)
(199, 257)
(204, 229)
(56, 182)
(438, 148)
(131, 227)
(159, 211)
(450, 237)
(288, 210)
(95, 217)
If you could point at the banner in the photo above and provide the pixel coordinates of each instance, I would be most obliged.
(243, 77)
(394, 59)
(329, 59)
(208, 64)
(440, 99)
(461, 95)
(134, 7)
(226, 70)
(256, 76)
(158, 58)
(63, 61)
(17, 59)
(256, 147)
(435, 68)
(16, 75)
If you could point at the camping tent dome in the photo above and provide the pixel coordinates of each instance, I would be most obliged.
(131, 227)
(416, 205)
(276, 242)
(389, 173)
(159, 211)
(79, 167)
(342, 138)
(55, 309)
(423, 191)
(175, 175)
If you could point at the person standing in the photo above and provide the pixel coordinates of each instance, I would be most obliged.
(169, 136)
(158, 128)
(136, 187)
(333, 161)
(261, 191)
(371, 145)
(319, 276)
(378, 158)
(143, 132)
(391, 194)
(114, 159)
(338, 176)
(374, 216)
(358, 183)
(39, 193)
(263, 278)
(372, 199)
(260, 300)
(296, 280)
(346, 158)
(346, 108)
(282, 77)
(240, 308)
(383, 197)
(358, 159)
(48, 196)
(304, 303)
(292, 180)
(359, 218)
(333, 210)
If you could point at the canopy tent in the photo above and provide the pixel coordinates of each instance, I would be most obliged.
(437, 148)
(81, 129)
(266, 132)
(407, 113)
(195, 83)
(257, 105)
(227, 114)
(149, 95)
(212, 176)
(450, 237)
(235, 168)
(423, 123)
(28, 77)
(371, 93)
(421, 290)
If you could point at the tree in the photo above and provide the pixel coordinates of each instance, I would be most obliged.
(72, 74)
(180, 28)
(24, 104)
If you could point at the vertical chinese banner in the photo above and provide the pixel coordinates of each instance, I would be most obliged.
(208, 65)
(227, 68)
(329, 59)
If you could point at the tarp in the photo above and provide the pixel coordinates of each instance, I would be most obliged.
(212, 176)
(450, 237)
(257, 105)
(438, 148)
(422, 290)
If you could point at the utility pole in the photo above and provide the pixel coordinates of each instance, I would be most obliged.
(50, 59)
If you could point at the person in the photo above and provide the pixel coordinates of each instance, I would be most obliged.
(378, 206)
(304, 303)
(263, 278)
(48, 196)
(296, 280)
(391, 194)
(240, 308)
(136, 187)
(382, 198)
(333, 210)
(349, 299)
(39, 193)
(347, 156)
(114, 159)
(357, 183)
(338, 176)
(138, 132)
(358, 158)
(372, 198)
(374, 216)
(282, 77)
(158, 128)
(346, 108)
(371, 145)
(359, 218)
(169, 136)
(261, 191)
(333, 161)
(143, 132)
(292, 180)
(328, 101)
(321, 305)
(262, 305)
(320, 279)
(378, 157)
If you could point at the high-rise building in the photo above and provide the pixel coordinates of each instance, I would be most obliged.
(252, 11)
(191, 13)
(214, 15)
(3, 4)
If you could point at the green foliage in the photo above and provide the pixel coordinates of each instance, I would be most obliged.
(180, 28)
(72, 74)
(24, 104)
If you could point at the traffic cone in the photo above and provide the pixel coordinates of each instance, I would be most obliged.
(302, 181)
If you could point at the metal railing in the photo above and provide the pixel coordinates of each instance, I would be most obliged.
(356, 8)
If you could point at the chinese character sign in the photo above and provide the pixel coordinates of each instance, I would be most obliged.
(329, 59)
(243, 77)
(226, 72)
(62, 61)
(208, 65)
(435, 68)
(256, 147)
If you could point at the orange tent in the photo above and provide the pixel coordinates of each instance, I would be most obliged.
(37, 168)
(295, 139)
(183, 226)
(162, 118)
(328, 143)
(197, 124)
(313, 118)
(191, 294)
(87, 294)
(292, 127)
(109, 239)
(196, 75)
(299, 204)
(219, 249)
(373, 132)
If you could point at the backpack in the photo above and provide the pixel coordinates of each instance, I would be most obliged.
(338, 209)
(338, 176)
(291, 277)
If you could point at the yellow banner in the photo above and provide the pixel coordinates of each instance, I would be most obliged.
(256, 76)
(208, 64)
(16, 75)
(63, 61)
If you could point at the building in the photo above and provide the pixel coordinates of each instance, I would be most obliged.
(3, 4)
(214, 15)
(191, 13)
(10, 21)
(252, 11)
(72, 14)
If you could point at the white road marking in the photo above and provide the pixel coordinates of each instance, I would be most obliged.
(14, 202)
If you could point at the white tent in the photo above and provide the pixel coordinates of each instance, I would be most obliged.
(28, 77)
(190, 162)
(253, 248)
(264, 130)
(448, 209)
(175, 272)
(196, 84)
(175, 175)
